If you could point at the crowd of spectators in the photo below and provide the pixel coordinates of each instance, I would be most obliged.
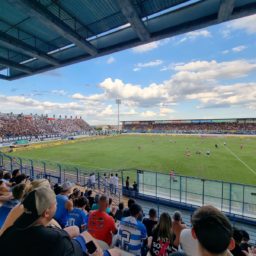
(40, 218)
(225, 127)
(35, 125)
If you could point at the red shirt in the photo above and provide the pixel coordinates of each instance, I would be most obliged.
(101, 226)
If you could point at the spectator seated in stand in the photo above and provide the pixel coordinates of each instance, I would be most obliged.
(132, 232)
(78, 216)
(95, 205)
(161, 242)
(245, 241)
(127, 211)
(18, 192)
(213, 232)
(15, 173)
(30, 234)
(64, 205)
(238, 236)
(151, 221)
(119, 212)
(100, 225)
(177, 227)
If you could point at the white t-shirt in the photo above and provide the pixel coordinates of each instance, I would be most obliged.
(92, 178)
(188, 244)
(116, 181)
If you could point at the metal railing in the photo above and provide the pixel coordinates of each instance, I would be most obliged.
(190, 192)
(231, 198)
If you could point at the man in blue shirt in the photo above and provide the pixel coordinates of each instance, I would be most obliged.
(64, 205)
(78, 216)
(132, 232)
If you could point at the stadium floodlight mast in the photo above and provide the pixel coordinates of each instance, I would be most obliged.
(118, 102)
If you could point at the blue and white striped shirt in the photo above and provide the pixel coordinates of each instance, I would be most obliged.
(131, 232)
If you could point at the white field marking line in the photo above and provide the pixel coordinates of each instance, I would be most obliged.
(245, 164)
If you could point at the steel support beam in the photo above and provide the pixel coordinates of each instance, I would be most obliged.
(17, 45)
(38, 11)
(4, 77)
(133, 18)
(17, 66)
(226, 9)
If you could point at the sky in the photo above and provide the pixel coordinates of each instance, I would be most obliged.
(208, 73)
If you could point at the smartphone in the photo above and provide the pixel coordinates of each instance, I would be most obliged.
(91, 247)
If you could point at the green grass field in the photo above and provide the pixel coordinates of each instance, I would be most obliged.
(161, 153)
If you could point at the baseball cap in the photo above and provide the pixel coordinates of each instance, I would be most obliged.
(35, 203)
(67, 185)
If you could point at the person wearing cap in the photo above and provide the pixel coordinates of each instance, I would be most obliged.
(64, 205)
(30, 235)
(132, 232)
(213, 232)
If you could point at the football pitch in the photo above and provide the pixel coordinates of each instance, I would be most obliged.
(231, 159)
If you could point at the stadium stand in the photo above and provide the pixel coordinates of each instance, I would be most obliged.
(12, 125)
(203, 126)
(203, 227)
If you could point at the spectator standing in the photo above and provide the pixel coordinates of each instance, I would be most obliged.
(116, 183)
(127, 183)
(100, 225)
(131, 232)
(93, 180)
(90, 198)
(105, 183)
(64, 205)
(111, 183)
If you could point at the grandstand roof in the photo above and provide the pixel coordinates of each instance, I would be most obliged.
(41, 35)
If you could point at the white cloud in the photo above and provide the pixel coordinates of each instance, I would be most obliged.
(148, 113)
(225, 52)
(199, 81)
(108, 111)
(149, 64)
(227, 96)
(165, 111)
(151, 46)
(59, 92)
(239, 48)
(194, 34)
(146, 47)
(111, 60)
(94, 97)
(190, 79)
(236, 49)
(246, 24)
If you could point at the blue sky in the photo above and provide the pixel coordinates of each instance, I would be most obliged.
(208, 73)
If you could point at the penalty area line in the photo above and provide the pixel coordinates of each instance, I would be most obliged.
(239, 159)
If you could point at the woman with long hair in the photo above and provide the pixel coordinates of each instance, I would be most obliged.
(161, 242)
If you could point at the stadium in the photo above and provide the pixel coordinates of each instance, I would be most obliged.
(170, 171)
